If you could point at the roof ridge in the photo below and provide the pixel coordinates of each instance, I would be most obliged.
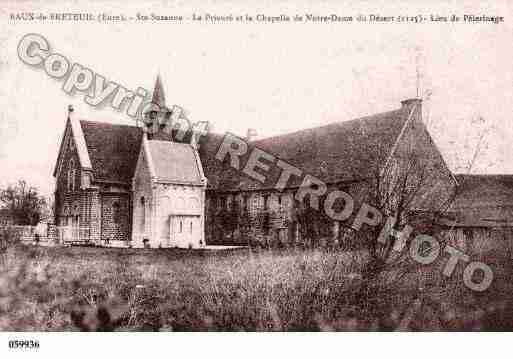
(173, 142)
(347, 122)
(107, 123)
(484, 174)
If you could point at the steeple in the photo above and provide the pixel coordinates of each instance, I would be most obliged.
(158, 114)
(158, 97)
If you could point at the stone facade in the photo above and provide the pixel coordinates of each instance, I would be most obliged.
(95, 212)
(167, 212)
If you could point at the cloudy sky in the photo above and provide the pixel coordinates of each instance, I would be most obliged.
(275, 78)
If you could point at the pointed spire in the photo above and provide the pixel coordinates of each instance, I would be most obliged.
(158, 93)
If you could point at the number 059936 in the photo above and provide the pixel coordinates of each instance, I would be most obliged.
(23, 344)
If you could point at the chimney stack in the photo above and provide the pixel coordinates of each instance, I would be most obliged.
(250, 134)
(412, 104)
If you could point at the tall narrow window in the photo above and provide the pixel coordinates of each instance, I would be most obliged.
(266, 202)
(71, 171)
(228, 202)
(73, 178)
(180, 226)
(191, 226)
(143, 214)
(245, 203)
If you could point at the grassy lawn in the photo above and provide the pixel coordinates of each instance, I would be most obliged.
(170, 289)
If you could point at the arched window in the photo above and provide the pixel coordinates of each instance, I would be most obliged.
(266, 202)
(193, 203)
(143, 214)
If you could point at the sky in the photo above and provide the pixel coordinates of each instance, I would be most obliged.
(275, 78)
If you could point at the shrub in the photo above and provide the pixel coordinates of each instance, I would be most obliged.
(257, 290)
(8, 237)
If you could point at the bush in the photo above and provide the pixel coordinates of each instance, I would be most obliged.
(8, 237)
(256, 290)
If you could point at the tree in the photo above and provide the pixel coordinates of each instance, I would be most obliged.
(417, 189)
(24, 203)
(230, 218)
(413, 188)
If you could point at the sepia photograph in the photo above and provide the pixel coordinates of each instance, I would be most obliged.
(222, 166)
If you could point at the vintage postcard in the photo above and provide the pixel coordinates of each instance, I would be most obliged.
(223, 166)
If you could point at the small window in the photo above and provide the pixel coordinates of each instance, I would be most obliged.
(266, 202)
(180, 231)
(143, 214)
(191, 227)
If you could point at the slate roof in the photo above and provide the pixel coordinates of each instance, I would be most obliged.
(113, 150)
(484, 190)
(174, 162)
(341, 151)
(484, 200)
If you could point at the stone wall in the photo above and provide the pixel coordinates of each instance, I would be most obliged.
(142, 203)
(115, 215)
(257, 217)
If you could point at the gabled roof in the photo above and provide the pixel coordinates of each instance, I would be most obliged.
(484, 190)
(342, 151)
(113, 150)
(484, 200)
(338, 152)
(174, 162)
(75, 132)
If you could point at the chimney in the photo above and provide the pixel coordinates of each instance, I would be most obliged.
(198, 129)
(412, 104)
(250, 134)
